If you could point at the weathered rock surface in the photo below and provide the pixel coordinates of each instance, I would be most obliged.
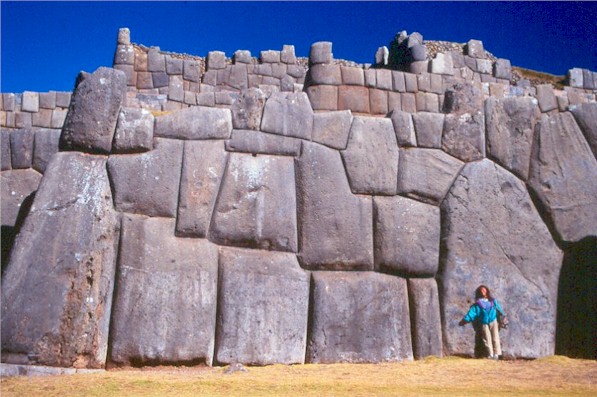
(134, 131)
(44, 147)
(148, 183)
(332, 128)
(404, 128)
(586, 117)
(288, 114)
(256, 206)
(202, 170)
(196, 122)
(493, 235)
(464, 136)
(262, 308)
(510, 123)
(256, 142)
(371, 156)
(426, 174)
(91, 120)
(425, 317)
(247, 109)
(563, 175)
(335, 227)
(165, 302)
(16, 186)
(406, 236)
(66, 249)
(358, 317)
(429, 127)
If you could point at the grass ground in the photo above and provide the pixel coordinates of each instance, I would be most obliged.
(552, 376)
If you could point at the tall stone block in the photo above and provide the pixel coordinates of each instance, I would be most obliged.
(5, 155)
(91, 120)
(464, 136)
(256, 205)
(493, 235)
(21, 148)
(134, 131)
(45, 146)
(165, 305)
(404, 128)
(263, 306)
(288, 114)
(425, 317)
(349, 325)
(247, 109)
(586, 118)
(429, 128)
(335, 227)
(57, 288)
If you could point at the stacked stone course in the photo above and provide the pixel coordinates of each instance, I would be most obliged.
(348, 222)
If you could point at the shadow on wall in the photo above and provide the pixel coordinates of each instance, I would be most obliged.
(577, 301)
(8, 233)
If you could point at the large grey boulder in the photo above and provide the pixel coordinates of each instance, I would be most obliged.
(406, 236)
(335, 227)
(91, 119)
(423, 298)
(16, 186)
(202, 170)
(510, 123)
(247, 109)
(359, 317)
(196, 122)
(263, 307)
(332, 128)
(256, 142)
(148, 183)
(371, 156)
(493, 235)
(165, 303)
(429, 127)
(134, 131)
(586, 117)
(563, 176)
(45, 145)
(288, 114)
(57, 288)
(426, 174)
(256, 206)
(464, 136)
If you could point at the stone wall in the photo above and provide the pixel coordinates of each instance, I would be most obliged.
(289, 226)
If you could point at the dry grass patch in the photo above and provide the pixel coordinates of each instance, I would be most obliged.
(554, 376)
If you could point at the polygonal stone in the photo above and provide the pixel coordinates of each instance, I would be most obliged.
(383, 79)
(21, 148)
(287, 55)
(256, 206)
(23, 120)
(378, 101)
(63, 99)
(335, 227)
(17, 185)
(58, 117)
(394, 102)
(404, 128)
(464, 136)
(352, 75)
(167, 290)
(502, 69)
(160, 79)
(474, 48)
(43, 118)
(546, 97)
(587, 80)
(353, 98)
(562, 175)
(148, 183)
(510, 124)
(463, 97)
(419, 67)
(234, 77)
(174, 65)
(332, 128)
(5, 155)
(418, 52)
(197, 122)
(30, 102)
(91, 120)
(45, 146)
(124, 36)
(493, 235)
(370, 77)
(247, 109)
(57, 288)
(442, 64)
(124, 55)
(324, 74)
(176, 89)
(347, 325)
(408, 102)
(256, 142)
(47, 100)
(242, 56)
(134, 131)
(191, 71)
(586, 118)
(425, 317)
(398, 82)
(484, 66)
(270, 56)
(323, 97)
(406, 236)
(288, 114)
(216, 60)
(371, 156)
(426, 174)
(321, 52)
(574, 77)
(428, 127)
(156, 61)
(262, 308)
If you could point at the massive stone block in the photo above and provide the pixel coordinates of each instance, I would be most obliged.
(332, 128)
(247, 109)
(57, 288)
(289, 114)
(17, 185)
(371, 156)
(262, 308)
(428, 127)
(586, 117)
(406, 236)
(196, 122)
(256, 205)
(134, 131)
(563, 175)
(91, 120)
(256, 142)
(45, 146)
(358, 317)
(202, 170)
(464, 136)
(335, 227)
(493, 235)
(148, 183)
(404, 128)
(510, 123)
(165, 302)
(21, 148)
(425, 317)
(426, 174)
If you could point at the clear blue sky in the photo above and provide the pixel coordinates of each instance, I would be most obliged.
(45, 44)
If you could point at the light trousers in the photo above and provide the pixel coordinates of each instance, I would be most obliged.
(490, 335)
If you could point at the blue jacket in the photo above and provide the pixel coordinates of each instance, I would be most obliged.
(483, 315)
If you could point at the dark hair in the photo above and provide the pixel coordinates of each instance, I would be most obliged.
(479, 295)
